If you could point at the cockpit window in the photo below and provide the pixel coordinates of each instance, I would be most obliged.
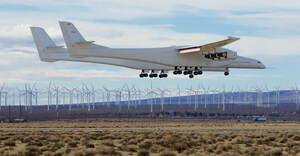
(259, 62)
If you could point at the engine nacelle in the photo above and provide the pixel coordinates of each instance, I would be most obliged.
(227, 55)
(230, 55)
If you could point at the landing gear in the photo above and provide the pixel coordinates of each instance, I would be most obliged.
(143, 74)
(153, 75)
(163, 75)
(191, 76)
(198, 73)
(226, 73)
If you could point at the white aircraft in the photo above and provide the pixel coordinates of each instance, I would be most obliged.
(50, 52)
(190, 59)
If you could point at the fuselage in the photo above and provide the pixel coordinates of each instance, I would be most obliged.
(63, 55)
(168, 56)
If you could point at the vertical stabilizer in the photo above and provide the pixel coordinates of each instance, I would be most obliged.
(74, 39)
(45, 44)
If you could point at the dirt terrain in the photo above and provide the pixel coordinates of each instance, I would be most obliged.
(149, 137)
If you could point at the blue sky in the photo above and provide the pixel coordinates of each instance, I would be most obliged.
(269, 31)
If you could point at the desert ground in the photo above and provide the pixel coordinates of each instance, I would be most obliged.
(148, 137)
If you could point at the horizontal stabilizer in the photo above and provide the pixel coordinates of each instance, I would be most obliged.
(84, 42)
(55, 47)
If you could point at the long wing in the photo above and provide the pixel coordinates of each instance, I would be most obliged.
(207, 47)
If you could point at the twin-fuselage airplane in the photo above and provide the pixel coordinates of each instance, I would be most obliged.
(189, 60)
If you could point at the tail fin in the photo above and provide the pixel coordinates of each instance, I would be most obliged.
(73, 38)
(71, 34)
(45, 44)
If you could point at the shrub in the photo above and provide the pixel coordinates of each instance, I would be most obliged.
(131, 148)
(90, 145)
(189, 151)
(167, 153)
(146, 144)
(143, 153)
(210, 149)
(34, 143)
(32, 151)
(274, 152)
(72, 144)
(179, 147)
(283, 140)
(9, 143)
(108, 151)
(108, 143)
(296, 138)
(250, 151)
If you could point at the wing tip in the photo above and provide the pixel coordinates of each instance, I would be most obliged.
(234, 38)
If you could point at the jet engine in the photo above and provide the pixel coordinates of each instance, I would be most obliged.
(227, 55)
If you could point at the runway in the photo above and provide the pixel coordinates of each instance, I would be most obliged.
(153, 129)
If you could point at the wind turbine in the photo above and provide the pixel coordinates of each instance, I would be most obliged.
(128, 94)
(1, 95)
(150, 92)
(223, 97)
(57, 95)
(195, 96)
(162, 98)
(268, 95)
(205, 95)
(88, 94)
(296, 90)
(93, 93)
(179, 96)
(71, 97)
(107, 97)
(277, 95)
(259, 95)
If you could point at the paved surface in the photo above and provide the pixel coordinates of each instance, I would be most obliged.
(152, 129)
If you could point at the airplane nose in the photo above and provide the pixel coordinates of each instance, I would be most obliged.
(262, 66)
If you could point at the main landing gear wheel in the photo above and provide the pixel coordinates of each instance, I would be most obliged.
(191, 76)
(175, 72)
(226, 73)
(143, 75)
(163, 75)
